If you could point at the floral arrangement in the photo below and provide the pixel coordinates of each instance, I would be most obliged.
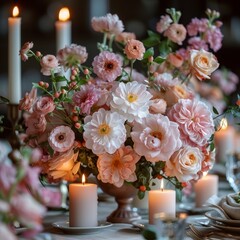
(133, 115)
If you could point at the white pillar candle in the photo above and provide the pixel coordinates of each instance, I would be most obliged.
(63, 29)
(83, 205)
(14, 63)
(204, 188)
(224, 141)
(161, 201)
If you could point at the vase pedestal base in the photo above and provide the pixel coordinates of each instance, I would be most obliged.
(124, 212)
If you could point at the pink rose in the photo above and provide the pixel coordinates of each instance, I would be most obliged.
(203, 63)
(134, 49)
(176, 33)
(185, 164)
(35, 124)
(49, 63)
(43, 105)
(158, 106)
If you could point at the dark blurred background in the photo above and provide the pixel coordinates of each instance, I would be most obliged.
(39, 16)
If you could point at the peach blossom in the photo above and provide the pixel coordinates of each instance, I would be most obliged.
(44, 105)
(175, 59)
(27, 102)
(49, 63)
(134, 49)
(176, 33)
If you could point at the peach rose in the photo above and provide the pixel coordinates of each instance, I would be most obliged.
(134, 49)
(175, 59)
(203, 63)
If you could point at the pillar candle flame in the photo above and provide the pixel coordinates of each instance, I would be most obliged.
(83, 179)
(161, 185)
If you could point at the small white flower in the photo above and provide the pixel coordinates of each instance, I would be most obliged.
(131, 100)
(104, 131)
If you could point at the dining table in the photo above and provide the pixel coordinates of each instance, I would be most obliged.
(55, 222)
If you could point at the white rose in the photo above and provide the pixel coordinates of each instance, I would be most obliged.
(203, 63)
(185, 163)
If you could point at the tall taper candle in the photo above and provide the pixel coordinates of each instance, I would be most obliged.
(63, 29)
(14, 63)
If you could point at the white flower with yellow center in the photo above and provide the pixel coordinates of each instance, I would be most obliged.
(104, 131)
(131, 100)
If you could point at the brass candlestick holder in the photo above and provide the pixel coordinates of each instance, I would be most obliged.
(14, 116)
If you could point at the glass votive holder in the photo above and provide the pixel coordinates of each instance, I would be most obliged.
(168, 228)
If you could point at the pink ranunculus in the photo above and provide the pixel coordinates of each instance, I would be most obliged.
(24, 50)
(124, 37)
(35, 124)
(72, 55)
(195, 121)
(29, 99)
(43, 105)
(28, 211)
(158, 105)
(176, 33)
(107, 66)
(61, 138)
(156, 138)
(134, 49)
(110, 24)
(49, 63)
(118, 167)
(86, 98)
(175, 59)
(185, 163)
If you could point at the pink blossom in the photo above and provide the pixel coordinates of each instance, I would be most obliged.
(7, 175)
(176, 33)
(195, 121)
(197, 43)
(86, 98)
(124, 37)
(6, 232)
(134, 49)
(197, 26)
(185, 163)
(27, 102)
(214, 37)
(43, 105)
(35, 124)
(110, 24)
(163, 24)
(61, 138)
(156, 138)
(117, 167)
(72, 55)
(107, 66)
(24, 50)
(64, 165)
(158, 106)
(51, 196)
(4, 206)
(28, 211)
(49, 63)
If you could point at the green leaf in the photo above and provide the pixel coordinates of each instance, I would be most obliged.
(159, 60)
(179, 194)
(150, 233)
(148, 53)
(141, 194)
(59, 79)
(215, 110)
(164, 48)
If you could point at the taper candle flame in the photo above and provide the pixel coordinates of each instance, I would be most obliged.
(64, 14)
(161, 185)
(83, 179)
(15, 11)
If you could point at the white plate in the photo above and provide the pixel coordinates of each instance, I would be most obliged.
(191, 208)
(225, 227)
(214, 215)
(64, 226)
